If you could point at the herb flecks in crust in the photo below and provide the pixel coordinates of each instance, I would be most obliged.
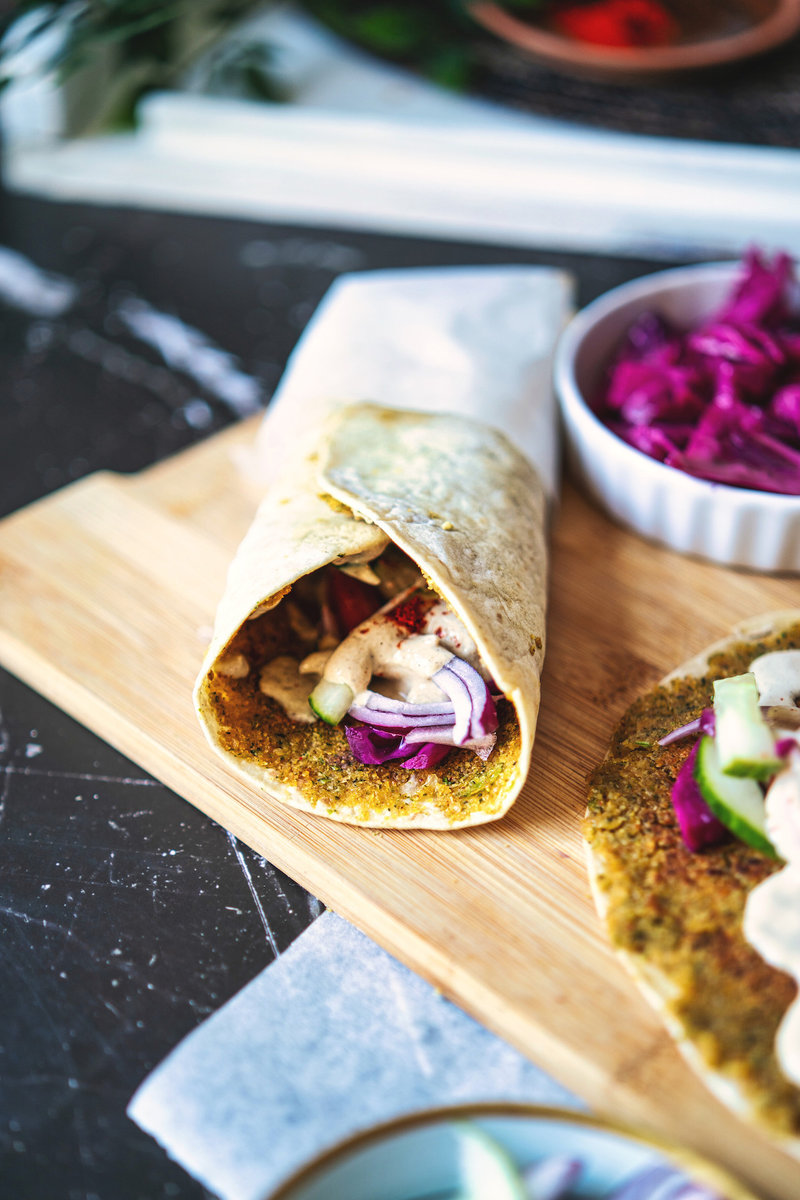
(316, 758)
(675, 915)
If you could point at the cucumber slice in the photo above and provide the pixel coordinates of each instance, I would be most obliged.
(745, 743)
(486, 1168)
(330, 701)
(739, 803)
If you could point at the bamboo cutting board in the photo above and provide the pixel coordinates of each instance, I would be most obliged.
(107, 592)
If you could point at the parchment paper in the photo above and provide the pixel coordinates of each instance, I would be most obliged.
(333, 1037)
(477, 341)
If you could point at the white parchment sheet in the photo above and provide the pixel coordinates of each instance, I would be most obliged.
(474, 341)
(332, 1037)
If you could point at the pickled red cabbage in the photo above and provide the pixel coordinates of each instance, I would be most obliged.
(721, 401)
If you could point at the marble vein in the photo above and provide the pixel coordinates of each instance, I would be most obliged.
(188, 350)
(256, 899)
(82, 776)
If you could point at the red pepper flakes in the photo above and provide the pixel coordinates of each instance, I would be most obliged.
(410, 614)
(625, 23)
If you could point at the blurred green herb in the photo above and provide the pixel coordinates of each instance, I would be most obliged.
(153, 40)
(438, 38)
(433, 37)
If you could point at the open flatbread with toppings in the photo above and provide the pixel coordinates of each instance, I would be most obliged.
(681, 835)
(377, 651)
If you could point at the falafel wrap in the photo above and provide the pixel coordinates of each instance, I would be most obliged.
(378, 647)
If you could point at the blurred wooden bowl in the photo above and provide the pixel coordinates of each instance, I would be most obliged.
(714, 34)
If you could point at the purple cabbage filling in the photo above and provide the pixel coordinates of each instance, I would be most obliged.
(698, 825)
(374, 748)
(384, 730)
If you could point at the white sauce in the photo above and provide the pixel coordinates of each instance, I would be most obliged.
(783, 813)
(381, 647)
(409, 665)
(772, 913)
(778, 677)
(314, 664)
(234, 666)
(281, 680)
(377, 648)
(772, 927)
(403, 663)
(451, 633)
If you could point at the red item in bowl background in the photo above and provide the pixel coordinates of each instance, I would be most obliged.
(625, 23)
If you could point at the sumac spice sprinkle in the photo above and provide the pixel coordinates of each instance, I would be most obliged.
(410, 613)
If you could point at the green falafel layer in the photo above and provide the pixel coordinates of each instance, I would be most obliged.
(675, 916)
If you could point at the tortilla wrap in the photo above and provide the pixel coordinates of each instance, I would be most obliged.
(469, 510)
(675, 917)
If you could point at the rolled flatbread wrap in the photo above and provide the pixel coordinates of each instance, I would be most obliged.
(438, 523)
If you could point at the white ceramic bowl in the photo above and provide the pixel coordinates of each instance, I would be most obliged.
(417, 1157)
(734, 526)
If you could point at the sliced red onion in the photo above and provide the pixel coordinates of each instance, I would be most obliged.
(396, 720)
(444, 736)
(377, 702)
(644, 1183)
(705, 723)
(661, 1183)
(420, 735)
(414, 749)
(698, 825)
(475, 712)
(552, 1178)
(695, 1191)
(459, 693)
(484, 713)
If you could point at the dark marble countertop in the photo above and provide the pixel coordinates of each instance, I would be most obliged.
(126, 916)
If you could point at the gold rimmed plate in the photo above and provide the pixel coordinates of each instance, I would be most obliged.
(420, 1156)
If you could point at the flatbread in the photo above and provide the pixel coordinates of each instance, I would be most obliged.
(463, 504)
(674, 917)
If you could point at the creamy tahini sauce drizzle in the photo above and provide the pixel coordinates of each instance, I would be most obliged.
(450, 631)
(778, 677)
(772, 913)
(281, 680)
(400, 664)
(381, 647)
(235, 666)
